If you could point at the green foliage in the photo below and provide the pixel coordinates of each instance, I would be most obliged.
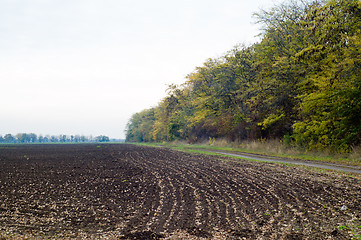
(330, 111)
(33, 138)
(102, 138)
(271, 120)
(140, 126)
(343, 227)
(300, 83)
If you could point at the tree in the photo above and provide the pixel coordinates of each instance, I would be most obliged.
(9, 138)
(139, 127)
(303, 79)
(102, 138)
(330, 109)
(275, 104)
(26, 137)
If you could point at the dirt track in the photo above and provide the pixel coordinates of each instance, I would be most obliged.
(132, 192)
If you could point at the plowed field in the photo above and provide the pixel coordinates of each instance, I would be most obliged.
(121, 191)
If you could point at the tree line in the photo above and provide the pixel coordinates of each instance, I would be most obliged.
(301, 83)
(33, 138)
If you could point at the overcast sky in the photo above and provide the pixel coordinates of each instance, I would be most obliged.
(85, 66)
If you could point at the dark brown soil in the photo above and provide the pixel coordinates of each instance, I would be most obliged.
(120, 191)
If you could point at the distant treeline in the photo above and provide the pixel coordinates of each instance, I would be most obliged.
(301, 83)
(33, 138)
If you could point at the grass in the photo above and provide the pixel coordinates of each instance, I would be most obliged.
(344, 227)
(354, 229)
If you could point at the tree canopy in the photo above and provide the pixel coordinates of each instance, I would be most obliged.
(33, 138)
(302, 80)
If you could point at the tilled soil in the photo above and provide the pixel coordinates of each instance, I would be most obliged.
(120, 191)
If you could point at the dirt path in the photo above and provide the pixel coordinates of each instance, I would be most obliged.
(132, 192)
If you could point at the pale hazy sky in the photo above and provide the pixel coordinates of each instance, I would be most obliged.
(85, 66)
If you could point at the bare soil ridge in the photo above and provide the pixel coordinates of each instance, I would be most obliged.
(121, 191)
